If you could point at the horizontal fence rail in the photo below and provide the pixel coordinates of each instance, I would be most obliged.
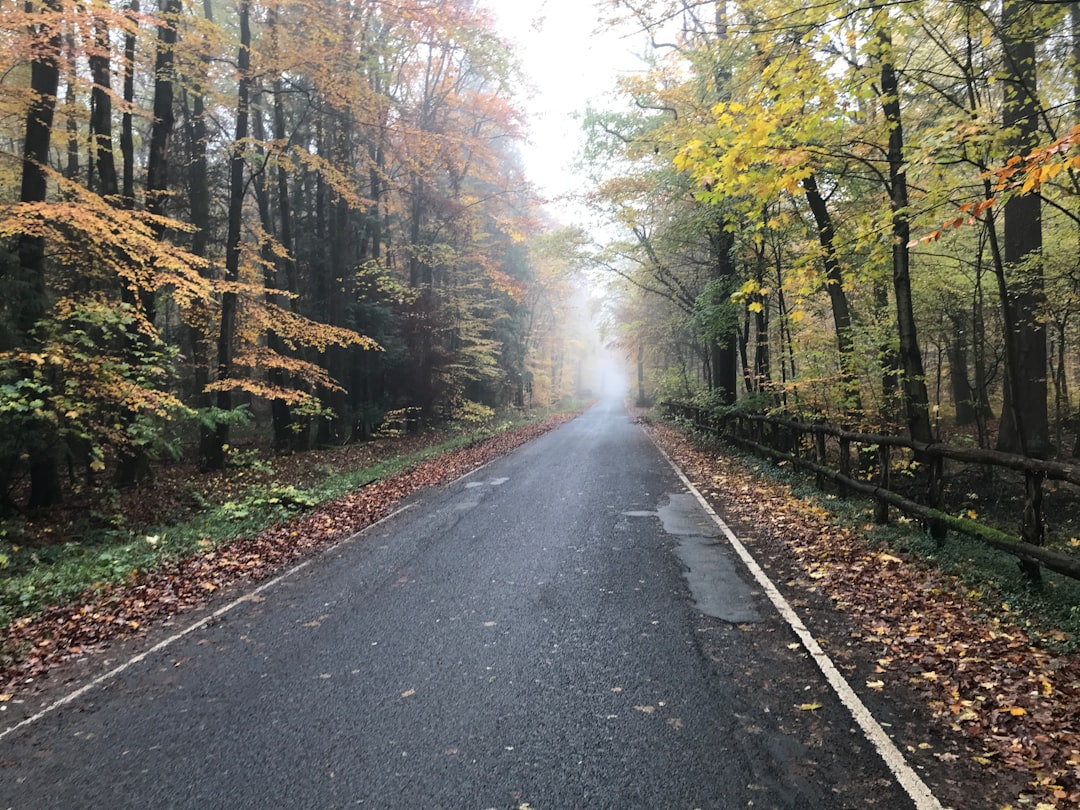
(805, 445)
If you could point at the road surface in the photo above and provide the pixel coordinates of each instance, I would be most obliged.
(564, 628)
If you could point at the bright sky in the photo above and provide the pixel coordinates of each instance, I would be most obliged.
(570, 59)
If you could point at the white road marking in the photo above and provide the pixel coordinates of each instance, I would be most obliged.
(161, 645)
(905, 775)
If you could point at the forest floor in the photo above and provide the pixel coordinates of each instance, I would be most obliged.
(965, 683)
(966, 686)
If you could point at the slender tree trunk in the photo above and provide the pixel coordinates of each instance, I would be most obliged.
(280, 412)
(44, 84)
(101, 112)
(71, 111)
(157, 163)
(199, 200)
(723, 350)
(1061, 379)
(916, 399)
(963, 395)
(127, 135)
(133, 463)
(834, 285)
(237, 186)
(983, 411)
(1024, 427)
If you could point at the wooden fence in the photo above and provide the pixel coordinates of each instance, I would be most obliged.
(826, 451)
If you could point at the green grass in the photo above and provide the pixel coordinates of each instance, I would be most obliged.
(33, 577)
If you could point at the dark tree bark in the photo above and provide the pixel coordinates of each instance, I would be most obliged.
(101, 112)
(127, 135)
(1025, 425)
(71, 101)
(723, 348)
(157, 162)
(957, 345)
(834, 285)
(280, 412)
(133, 463)
(44, 84)
(916, 398)
(216, 450)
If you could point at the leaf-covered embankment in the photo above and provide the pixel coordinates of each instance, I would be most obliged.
(1009, 706)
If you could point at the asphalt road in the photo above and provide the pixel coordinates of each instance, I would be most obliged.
(560, 629)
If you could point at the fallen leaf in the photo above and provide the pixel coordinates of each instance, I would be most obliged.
(877, 686)
(646, 709)
(408, 693)
(808, 707)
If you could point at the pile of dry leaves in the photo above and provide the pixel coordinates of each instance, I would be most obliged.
(1016, 705)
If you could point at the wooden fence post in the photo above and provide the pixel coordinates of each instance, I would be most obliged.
(845, 464)
(935, 487)
(819, 443)
(1033, 530)
(881, 506)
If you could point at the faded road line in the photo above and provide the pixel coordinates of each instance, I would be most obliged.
(191, 628)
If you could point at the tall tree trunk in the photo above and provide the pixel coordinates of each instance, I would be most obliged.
(199, 200)
(957, 345)
(983, 412)
(916, 399)
(723, 349)
(1025, 426)
(1074, 52)
(1061, 378)
(44, 84)
(133, 464)
(101, 112)
(71, 111)
(280, 412)
(157, 162)
(834, 285)
(127, 135)
(237, 186)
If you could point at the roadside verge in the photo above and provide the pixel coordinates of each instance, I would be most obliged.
(987, 719)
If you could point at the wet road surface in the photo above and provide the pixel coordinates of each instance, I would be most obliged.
(564, 628)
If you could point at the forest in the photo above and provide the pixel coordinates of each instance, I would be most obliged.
(298, 220)
(865, 213)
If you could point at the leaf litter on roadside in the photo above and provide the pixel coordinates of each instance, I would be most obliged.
(979, 677)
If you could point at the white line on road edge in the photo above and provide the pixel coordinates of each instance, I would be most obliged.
(161, 645)
(894, 760)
